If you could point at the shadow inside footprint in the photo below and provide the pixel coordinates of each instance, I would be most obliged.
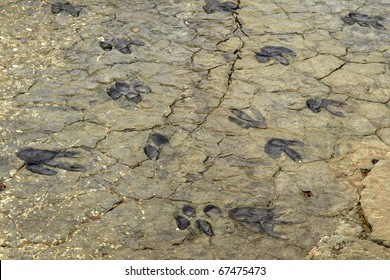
(258, 219)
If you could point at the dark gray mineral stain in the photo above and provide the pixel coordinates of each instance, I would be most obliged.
(205, 227)
(182, 222)
(275, 52)
(259, 219)
(245, 121)
(35, 159)
(275, 147)
(159, 139)
(212, 211)
(151, 152)
(213, 6)
(315, 105)
(57, 7)
(189, 211)
(363, 20)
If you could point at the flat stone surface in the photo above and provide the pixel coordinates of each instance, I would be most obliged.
(122, 203)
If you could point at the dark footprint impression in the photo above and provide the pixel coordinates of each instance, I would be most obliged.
(363, 20)
(258, 219)
(153, 152)
(245, 121)
(315, 105)
(213, 6)
(274, 52)
(122, 45)
(56, 8)
(131, 91)
(204, 226)
(275, 147)
(35, 159)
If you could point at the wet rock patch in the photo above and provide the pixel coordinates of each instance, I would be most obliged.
(275, 52)
(36, 159)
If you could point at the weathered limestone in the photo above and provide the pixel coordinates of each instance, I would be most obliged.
(199, 66)
(375, 201)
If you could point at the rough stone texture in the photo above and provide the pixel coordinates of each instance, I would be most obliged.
(53, 89)
(375, 201)
(341, 248)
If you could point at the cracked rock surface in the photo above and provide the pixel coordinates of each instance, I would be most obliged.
(195, 67)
